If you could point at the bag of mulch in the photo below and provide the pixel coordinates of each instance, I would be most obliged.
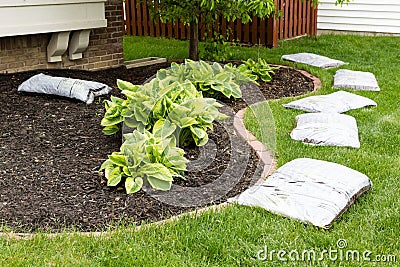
(356, 80)
(337, 102)
(314, 60)
(309, 190)
(82, 90)
(326, 129)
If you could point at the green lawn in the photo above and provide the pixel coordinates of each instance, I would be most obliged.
(235, 235)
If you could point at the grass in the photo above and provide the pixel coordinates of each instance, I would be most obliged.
(234, 236)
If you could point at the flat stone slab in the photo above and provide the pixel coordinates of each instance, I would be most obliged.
(135, 63)
(326, 129)
(309, 190)
(356, 80)
(314, 60)
(337, 102)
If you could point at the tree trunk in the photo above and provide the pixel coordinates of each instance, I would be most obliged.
(194, 41)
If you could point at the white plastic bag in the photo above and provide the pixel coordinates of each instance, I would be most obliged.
(309, 190)
(326, 129)
(67, 87)
(337, 102)
(356, 80)
(314, 60)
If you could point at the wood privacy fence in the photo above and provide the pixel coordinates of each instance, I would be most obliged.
(298, 18)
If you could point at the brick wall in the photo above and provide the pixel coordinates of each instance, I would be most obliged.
(29, 52)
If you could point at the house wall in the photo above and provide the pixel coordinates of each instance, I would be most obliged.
(362, 16)
(29, 52)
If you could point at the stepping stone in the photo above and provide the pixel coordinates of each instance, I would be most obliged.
(357, 80)
(314, 60)
(337, 102)
(309, 190)
(326, 129)
(144, 62)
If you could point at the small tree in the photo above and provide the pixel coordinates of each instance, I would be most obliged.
(191, 11)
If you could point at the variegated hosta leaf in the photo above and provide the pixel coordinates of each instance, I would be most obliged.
(110, 130)
(113, 110)
(158, 176)
(111, 121)
(261, 69)
(133, 185)
(199, 135)
(163, 129)
(175, 159)
(117, 158)
(114, 176)
(106, 165)
(200, 141)
(124, 85)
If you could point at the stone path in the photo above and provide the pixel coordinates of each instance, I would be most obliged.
(309, 190)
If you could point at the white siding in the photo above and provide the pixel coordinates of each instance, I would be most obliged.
(21, 17)
(360, 16)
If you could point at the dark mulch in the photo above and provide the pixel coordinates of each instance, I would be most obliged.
(51, 149)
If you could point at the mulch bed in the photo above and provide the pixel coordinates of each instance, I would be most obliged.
(51, 149)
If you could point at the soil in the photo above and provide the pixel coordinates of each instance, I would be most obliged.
(51, 149)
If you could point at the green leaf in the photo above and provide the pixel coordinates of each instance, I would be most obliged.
(157, 171)
(106, 165)
(113, 111)
(129, 94)
(158, 176)
(123, 85)
(175, 159)
(111, 121)
(133, 185)
(200, 133)
(114, 177)
(110, 130)
(117, 100)
(118, 159)
(126, 171)
(131, 122)
(201, 141)
(163, 129)
(187, 122)
(141, 115)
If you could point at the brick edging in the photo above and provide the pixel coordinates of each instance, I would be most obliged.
(262, 152)
(266, 157)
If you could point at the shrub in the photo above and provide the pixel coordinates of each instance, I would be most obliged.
(259, 69)
(213, 79)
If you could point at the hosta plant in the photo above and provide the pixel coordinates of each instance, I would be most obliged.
(116, 109)
(194, 117)
(213, 79)
(145, 104)
(149, 157)
(154, 101)
(259, 69)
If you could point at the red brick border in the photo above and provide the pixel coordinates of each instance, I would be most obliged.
(262, 152)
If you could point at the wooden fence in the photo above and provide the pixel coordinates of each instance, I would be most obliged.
(298, 18)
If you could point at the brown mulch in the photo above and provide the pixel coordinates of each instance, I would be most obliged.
(51, 149)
